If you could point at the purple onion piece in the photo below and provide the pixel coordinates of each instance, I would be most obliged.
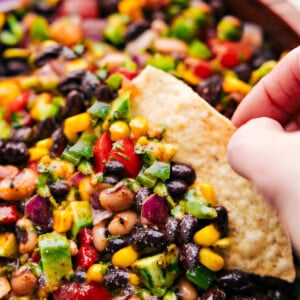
(76, 179)
(154, 210)
(93, 29)
(38, 210)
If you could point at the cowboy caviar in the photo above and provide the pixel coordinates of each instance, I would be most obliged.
(93, 206)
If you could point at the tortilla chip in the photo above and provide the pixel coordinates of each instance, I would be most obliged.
(260, 244)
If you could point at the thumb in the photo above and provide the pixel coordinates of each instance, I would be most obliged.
(268, 156)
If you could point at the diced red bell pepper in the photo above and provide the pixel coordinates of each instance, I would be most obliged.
(203, 69)
(85, 237)
(18, 105)
(86, 256)
(81, 291)
(123, 151)
(8, 214)
(102, 149)
(127, 73)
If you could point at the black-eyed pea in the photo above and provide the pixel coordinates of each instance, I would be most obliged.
(29, 237)
(187, 291)
(99, 236)
(159, 26)
(117, 198)
(122, 223)
(23, 281)
(113, 61)
(73, 248)
(170, 46)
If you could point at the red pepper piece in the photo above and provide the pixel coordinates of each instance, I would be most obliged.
(127, 73)
(8, 214)
(86, 256)
(81, 291)
(123, 151)
(85, 237)
(203, 69)
(18, 105)
(102, 149)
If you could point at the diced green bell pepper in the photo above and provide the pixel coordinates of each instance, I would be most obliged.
(201, 276)
(120, 109)
(99, 109)
(160, 170)
(199, 50)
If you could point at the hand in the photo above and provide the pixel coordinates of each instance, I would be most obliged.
(266, 147)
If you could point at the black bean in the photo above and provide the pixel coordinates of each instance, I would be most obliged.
(89, 83)
(74, 103)
(140, 196)
(108, 7)
(221, 221)
(188, 225)
(111, 179)
(242, 297)
(15, 153)
(59, 141)
(171, 229)
(44, 129)
(234, 281)
(104, 93)
(115, 244)
(214, 293)
(177, 187)
(15, 66)
(243, 71)
(114, 167)
(59, 188)
(44, 9)
(116, 279)
(261, 57)
(135, 29)
(48, 53)
(218, 8)
(22, 134)
(148, 241)
(210, 89)
(71, 81)
(79, 276)
(183, 172)
(188, 256)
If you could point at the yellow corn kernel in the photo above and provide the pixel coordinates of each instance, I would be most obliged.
(206, 236)
(36, 153)
(187, 74)
(166, 151)
(75, 124)
(9, 90)
(2, 20)
(211, 259)
(40, 102)
(62, 220)
(85, 189)
(223, 243)
(16, 52)
(208, 192)
(134, 279)
(143, 141)
(96, 272)
(138, 127)
(124, 257)
(232, 84)
(119, 130)
(45, 143)
(76, 64)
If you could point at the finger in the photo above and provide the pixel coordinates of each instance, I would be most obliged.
(253, 149)
(276, 96)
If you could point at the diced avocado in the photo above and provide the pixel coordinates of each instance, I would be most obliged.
(55, 258)
(146, 180)
(170, 296)
(82, 215)
(159, 271)
(8, 245)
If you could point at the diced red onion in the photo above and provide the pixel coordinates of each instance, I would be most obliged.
(93, 29)
(100, 215)
(154, 210)
(38, 210)
(8, 5)
(76, 179)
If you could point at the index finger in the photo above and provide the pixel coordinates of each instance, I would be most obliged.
(276, 96)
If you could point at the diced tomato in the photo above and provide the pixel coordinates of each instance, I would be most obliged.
(231, 53)
(85, 236)
(102, 149)
(8, 214)
(81, 291)
(127, 73)
(203, 69)
(123, 151)
(18, 105)
(86, 256)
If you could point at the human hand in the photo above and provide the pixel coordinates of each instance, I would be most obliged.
(266, 147)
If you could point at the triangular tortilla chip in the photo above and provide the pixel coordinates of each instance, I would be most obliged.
(260, 244)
